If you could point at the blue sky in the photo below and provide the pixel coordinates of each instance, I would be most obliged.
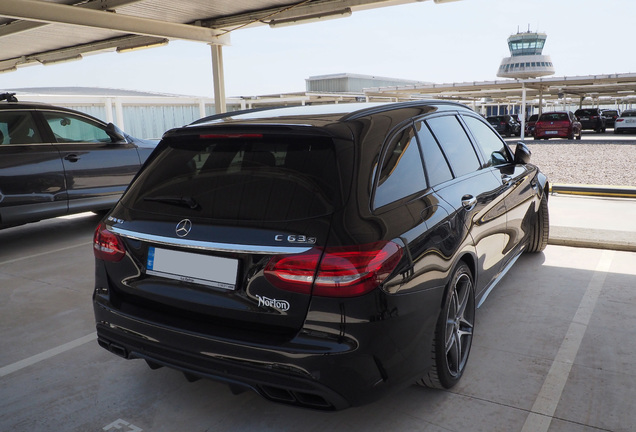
(442, 43)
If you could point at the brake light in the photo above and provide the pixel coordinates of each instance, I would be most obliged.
(107, 246)
(619, 120)
(230, 135)
(335, 272)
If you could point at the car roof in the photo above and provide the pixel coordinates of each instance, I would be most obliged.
(30, 105)
(317, 113)
(36, 106)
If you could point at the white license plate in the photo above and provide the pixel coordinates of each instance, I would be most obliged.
(207, 270)
(585, 118)
(551, 132)
(630, 120)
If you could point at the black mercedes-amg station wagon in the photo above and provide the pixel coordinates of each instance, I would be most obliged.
(321, 256)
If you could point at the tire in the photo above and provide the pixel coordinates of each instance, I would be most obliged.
(453, 332)
(541, 229)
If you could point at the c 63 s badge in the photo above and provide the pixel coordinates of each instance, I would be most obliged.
(295, 239)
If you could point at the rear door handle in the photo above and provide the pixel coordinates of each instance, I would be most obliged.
(72, 157)
(469, 202)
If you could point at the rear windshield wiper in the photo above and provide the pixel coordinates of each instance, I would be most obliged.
(188, 202)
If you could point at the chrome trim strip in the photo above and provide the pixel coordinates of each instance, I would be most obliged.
(501, 275)
(208, 246)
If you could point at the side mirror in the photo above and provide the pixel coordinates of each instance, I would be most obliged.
(522, 154)
(115, 133)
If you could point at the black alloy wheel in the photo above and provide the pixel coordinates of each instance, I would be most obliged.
(454, 332)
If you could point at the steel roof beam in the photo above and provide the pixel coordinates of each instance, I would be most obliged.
(20, 26)
(54, 13)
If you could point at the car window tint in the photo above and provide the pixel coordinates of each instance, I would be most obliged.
(18, 128)
(68, 128)
(238, 179)
(436, 165)
(455, 143)
(495, 152)
(555, 117)
(402, 173)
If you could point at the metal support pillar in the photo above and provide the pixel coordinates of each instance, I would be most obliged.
(218, 77)
(119, 114)
(523, 111)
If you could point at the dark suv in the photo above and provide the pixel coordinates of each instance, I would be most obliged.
(321, 256)
(506, 125)
(55, 161)
(610, 116)
(591, 118)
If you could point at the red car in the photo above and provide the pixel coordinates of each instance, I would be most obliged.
(557, 124)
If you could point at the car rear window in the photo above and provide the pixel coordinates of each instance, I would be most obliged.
(554, 117)
(584, 112)
(241, 177)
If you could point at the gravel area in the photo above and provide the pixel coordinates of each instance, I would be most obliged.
(586, 162)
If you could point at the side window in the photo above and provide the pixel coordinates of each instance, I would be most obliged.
(18, 128)
(436, 165)
(69, 128)
(495, 151)
(402, 173)
(455, 143)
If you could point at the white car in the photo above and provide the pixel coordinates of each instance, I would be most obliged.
(626, 122)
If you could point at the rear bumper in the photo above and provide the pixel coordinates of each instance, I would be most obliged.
(620, 128)
(560, 133)
(316, 369)
(289, 387)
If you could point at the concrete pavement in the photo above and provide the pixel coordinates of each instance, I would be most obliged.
(593, 222)
(551, 352)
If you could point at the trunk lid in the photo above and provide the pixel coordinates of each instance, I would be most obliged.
(205, 217)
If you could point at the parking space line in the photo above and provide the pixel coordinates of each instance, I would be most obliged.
(6, 370)
(43, 253)
(545, 405)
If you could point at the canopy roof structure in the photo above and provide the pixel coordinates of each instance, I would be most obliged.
(615, 88)
(50, 31)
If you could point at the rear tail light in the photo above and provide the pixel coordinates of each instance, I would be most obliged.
(619, 119)
(335, 272)
(107, 246)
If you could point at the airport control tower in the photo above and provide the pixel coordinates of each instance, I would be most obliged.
(526, 60)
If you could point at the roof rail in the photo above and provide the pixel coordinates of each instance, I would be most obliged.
(230, 114)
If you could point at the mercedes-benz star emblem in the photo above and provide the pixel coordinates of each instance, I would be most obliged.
(183, 228)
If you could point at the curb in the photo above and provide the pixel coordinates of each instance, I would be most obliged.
(594, 190)
(591, 239)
